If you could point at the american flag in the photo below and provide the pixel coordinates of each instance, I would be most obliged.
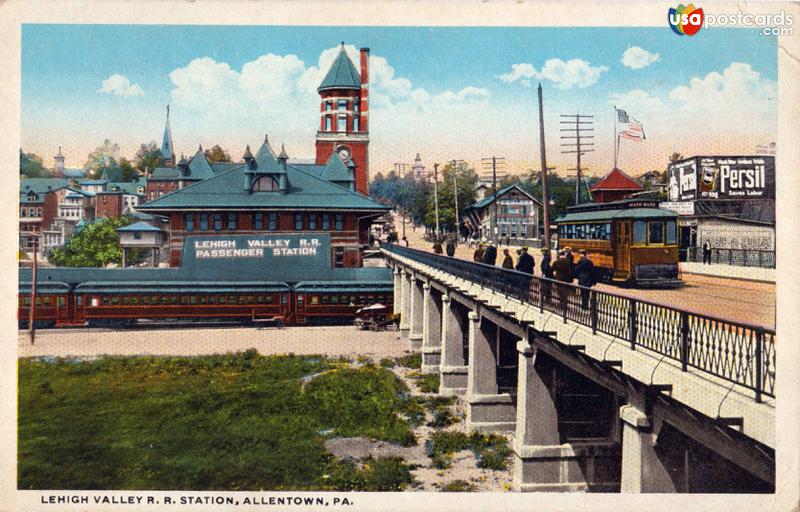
(634, 131)
(622, 116)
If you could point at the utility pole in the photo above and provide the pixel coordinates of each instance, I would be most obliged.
(545, 196)
(494, 162)
(453, 168)
(582, 124)
(32, 311)
(436, 196)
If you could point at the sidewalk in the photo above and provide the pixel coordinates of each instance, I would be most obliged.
(767, 275)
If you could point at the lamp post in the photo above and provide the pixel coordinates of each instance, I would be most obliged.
(32, 311)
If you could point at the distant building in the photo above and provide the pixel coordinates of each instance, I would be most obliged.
(142, 235)
(59, 171)
(418, 169)
(517, 215)
(614, 186)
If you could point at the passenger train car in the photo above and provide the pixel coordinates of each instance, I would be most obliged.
(630, 242)
(256, 286)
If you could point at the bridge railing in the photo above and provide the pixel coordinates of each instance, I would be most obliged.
(739, 353)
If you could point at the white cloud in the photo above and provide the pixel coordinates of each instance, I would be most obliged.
(119, 85)
(638, 58)
(739, 94)
(637, 102)
(563, 74)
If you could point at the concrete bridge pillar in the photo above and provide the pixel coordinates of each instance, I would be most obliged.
(397, 291)
(431, 329)
(487, 410)
(542, 463)
(453, 368)
(405, 303)
(415, 318)
(642, 468)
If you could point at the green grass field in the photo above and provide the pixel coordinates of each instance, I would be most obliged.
(233, 422)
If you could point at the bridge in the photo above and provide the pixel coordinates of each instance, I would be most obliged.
(602, 393)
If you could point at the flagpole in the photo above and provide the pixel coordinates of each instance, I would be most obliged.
(616, 139)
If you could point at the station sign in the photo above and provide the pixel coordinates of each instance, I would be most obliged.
(281, 255)
(679, 207)
(722, 177)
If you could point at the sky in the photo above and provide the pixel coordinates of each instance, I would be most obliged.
(443, 92)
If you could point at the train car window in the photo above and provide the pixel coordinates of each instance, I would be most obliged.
(173, 299)
(315, 299)
(273, 221)
(154, 299)
(223, 299)
(203, 221)
(672, 232)
(105, 300)
(640, 232)
(326, 221)
(231, 299)
(242, 299)
(344, 299)
(334, 299)
(134, 300)
(191, 299)
(312, 221)
(231, 221)
(298, 221)
(656, 232)
(325, 299)
(258, 221)
(217, 222)
(259, 299)
(146, 300)
(188, 221)
(203, 299)
(249, 299)
(115, 300)
(164, 299)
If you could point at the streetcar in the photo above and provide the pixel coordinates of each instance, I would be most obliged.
(630, 242)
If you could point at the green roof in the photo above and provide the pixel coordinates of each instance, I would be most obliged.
(335, 170)
(138, 226)
(42, 185)
(631, 213)
(342, 74)
(486, 201)
(305, 190)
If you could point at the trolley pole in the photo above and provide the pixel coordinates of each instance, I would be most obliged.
(436, 196)
(453, 167)
(32, 311)
(494, 162)
(545, 196)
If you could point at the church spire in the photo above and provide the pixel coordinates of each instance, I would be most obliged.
(167, 150)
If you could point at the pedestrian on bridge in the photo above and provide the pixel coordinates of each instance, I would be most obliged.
(450, 248)
(508, 260)
(563, 273)
(547, 273)
(437, 246)
(584, 272)
(477, 256)
(490, 255)
(525, 262)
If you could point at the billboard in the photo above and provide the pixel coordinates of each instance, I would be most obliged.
(722, 177)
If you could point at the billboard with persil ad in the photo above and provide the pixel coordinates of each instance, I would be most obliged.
(722, 177)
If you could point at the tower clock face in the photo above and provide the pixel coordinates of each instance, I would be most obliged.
(344, 154)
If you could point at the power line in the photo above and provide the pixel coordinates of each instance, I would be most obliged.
(492, 163)
(580, 128)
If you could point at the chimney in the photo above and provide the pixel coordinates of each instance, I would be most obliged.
(364, 107)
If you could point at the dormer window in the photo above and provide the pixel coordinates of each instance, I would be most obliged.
(265, 184)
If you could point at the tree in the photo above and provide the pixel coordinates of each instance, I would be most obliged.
(127, 171)
(217, 155)
(32, 166)
(674, 157)
(466, 179)
(148, 157)
(95, 245)
(104, 159)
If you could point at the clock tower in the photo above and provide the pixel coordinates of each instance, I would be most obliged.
(344, 116)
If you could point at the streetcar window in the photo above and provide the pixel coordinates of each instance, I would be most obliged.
(61, 301)
(27, 301)
(300, 298)
(47, 301)
(269, 299)
(315, 299)
(672, 233)
(284, 298)
(639, 232)
(656, 233)
(79, 300)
